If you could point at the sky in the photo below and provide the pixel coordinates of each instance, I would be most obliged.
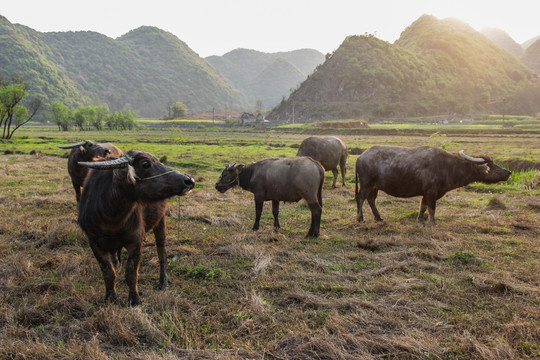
(215, 27)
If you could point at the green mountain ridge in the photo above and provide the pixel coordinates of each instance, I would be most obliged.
(265, 76)
(24, 54)
(504, 40)
(141, 71)
(435, 67)
(531, 57)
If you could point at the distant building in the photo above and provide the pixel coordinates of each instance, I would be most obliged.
(248, 118)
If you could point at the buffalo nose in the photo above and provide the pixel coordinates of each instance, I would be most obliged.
(189, 182)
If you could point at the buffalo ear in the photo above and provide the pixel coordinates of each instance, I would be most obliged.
(82, 149)
(239, 167)
(125, 174)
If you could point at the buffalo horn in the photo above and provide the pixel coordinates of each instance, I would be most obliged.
(470, 158)
(82, 143)
(109, 164)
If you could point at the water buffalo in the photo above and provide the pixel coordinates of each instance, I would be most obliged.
(426, 171)
(278, 180)
(330, 151)
(120, 203)
(86, 151)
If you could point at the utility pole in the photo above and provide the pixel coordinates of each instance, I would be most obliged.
(213, 114)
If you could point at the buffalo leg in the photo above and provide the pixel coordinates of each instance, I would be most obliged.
(316, 212)
(372, 196)
(109, 275)
(360, 198)
(275, 212)
(132, 272)
(160, 232)
(77, 189)
(421, 212)
(336, 174)
(258, 211)
(431, 204)
(343, 173)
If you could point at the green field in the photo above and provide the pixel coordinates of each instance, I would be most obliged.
(468, 288)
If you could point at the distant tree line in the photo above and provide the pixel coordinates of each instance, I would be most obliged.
(90, 117)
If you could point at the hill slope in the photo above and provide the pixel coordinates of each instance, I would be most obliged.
(504, 40)
(531, 57)
(435, 67)
(25, 54)
(142, 70)
(266, 76)
(529, 42)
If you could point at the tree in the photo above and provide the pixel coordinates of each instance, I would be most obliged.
(100, 116)
(121, 121)
(177, 110)
(259, 105)
(59, 114)
(12, 114)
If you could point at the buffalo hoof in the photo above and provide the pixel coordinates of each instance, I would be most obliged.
(360, 219)
(163, 283)
(110, 297)
(133, 299)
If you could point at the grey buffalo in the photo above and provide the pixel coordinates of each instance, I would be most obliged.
(122, 200)
(86, 151)
(278, 180)
(330, 151)
(423, 171)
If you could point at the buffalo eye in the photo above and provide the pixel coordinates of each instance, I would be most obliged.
(146, 164)
(90, 145)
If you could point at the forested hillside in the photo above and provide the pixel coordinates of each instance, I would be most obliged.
(504, 40)
(141, 71)
(531, 57)
(266, 76)
(435, 67)
(25, 54)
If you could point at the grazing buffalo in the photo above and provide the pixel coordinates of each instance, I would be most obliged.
(426, 171)
(278, 180)
(330, 151)
(122, 200)
(83, 152)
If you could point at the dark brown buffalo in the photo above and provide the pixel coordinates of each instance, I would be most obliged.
(278, 180)
(423, 171)
(330, 151)
(120, 203)
(86, 151)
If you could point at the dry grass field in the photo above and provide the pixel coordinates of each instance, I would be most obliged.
(468, 288)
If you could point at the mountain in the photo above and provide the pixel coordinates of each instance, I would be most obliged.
(529, 42)
(141, 71)
(531, 57)
(435, 67)
(266, 76)
(24, 54)
(504, 40)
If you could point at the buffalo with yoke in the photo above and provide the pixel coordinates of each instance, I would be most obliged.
(422, 171)
(278, 180)
(330, 151)
(122, 200)
(86, 151)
